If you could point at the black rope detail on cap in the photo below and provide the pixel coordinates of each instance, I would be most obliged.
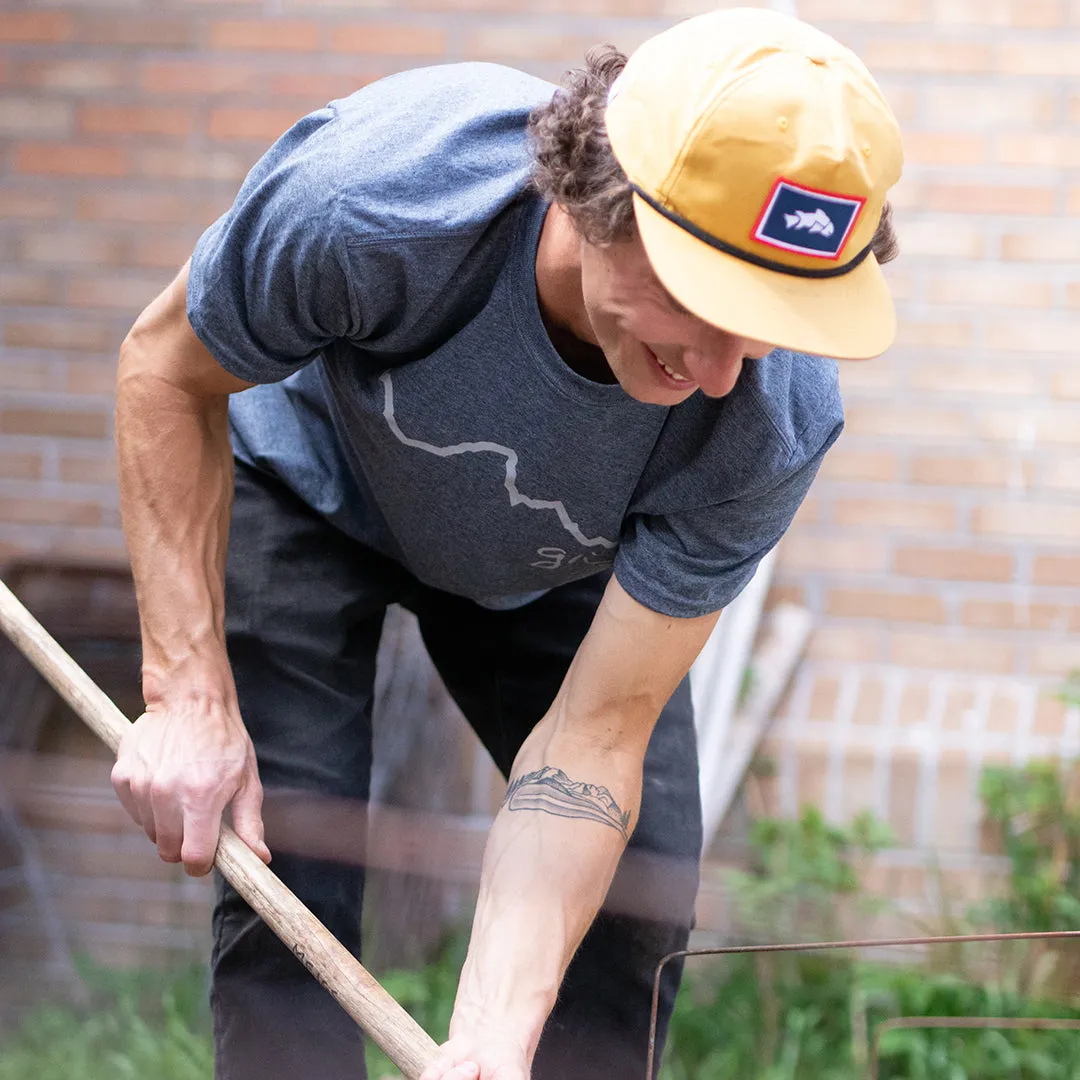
(749, 256)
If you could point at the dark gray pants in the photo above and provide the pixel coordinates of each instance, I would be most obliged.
(305, 606)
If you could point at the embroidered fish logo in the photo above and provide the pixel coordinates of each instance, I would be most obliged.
(816, 222)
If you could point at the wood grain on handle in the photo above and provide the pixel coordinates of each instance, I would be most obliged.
(358, 993)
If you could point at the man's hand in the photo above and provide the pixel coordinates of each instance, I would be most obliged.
(177, 770)
(480, 1054)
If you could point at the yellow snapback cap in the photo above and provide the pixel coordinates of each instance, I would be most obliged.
(760, 151)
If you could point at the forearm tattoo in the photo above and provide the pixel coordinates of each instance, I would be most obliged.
(552, 791)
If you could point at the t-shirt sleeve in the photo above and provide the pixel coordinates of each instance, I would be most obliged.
(697, 561)
(268, 287)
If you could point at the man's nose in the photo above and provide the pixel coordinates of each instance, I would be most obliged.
(715, 367)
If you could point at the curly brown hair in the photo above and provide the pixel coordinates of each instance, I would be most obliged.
(574, 166)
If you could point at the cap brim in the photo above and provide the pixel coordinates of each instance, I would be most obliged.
(850, 317)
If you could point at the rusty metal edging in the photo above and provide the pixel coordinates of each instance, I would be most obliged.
(865, 943)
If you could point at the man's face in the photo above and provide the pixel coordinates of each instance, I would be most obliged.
(659, 352)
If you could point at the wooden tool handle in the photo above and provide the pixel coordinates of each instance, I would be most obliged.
(358, 993)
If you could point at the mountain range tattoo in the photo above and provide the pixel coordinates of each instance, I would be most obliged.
(551, 790)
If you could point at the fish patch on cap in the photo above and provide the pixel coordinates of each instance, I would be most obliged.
(806, 221)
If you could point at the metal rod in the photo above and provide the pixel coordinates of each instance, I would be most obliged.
(818, 946)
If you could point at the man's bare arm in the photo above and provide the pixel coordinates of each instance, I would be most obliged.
(188, 756)
(571, 805)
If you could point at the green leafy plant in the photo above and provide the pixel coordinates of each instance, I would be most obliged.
(138, 1025)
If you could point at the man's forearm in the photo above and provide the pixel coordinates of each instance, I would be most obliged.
(550, 858)
(175, 471)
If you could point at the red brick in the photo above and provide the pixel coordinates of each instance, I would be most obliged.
(20, 466)
(264, 35)
(784, 593)
(1028, 426)
(886, 606)
(883, 11)
(800, 552)
(1003, 714)
(197, 77)
(28, 375)
(1043, 58)
(1048, 522)
(1029, 200)
(935, 334)
(1051, 715)
(30, 204)
(990, 286)
(95, 28)
(1057, 570)
(939, 651)
(1041, 245)
(970, 379)
(1066, 384)
(981, 471)
(122, 293)
(1044, 150)
(48, 512)
(169, 163)
(31, 27)
(61, 423)
(34, 116)
(903, 812)
(991, 105)
(944, 148)
(869, 701)
(1006, 615)
(163, 250)
(927, 55)
(68, 246)
(148, 207)
(956, 564)
(842, 463)
(88, 470)
(54, 334)
(388, 39)
(1056, 659)
(316, 88)
(70, 160)
(23, 287)
(896, 513)
(846, 644)
(509, 43)
(942, 237)
(1035, 334)
(880, 374)
(1043, 14)
(75, 76)
(92, 377)
(101, 119)
(239, 123)
(906, 421)
(1061, 474)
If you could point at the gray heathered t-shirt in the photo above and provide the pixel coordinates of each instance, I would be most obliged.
(377, 275)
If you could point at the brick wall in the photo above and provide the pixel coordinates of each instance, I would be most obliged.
(939, 548)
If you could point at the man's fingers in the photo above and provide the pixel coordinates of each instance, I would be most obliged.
(202, 827)
(247, 817)
(467, 1070)
(168, 824)
(122, 786)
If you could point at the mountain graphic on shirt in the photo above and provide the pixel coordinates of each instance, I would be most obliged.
(550, 789)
